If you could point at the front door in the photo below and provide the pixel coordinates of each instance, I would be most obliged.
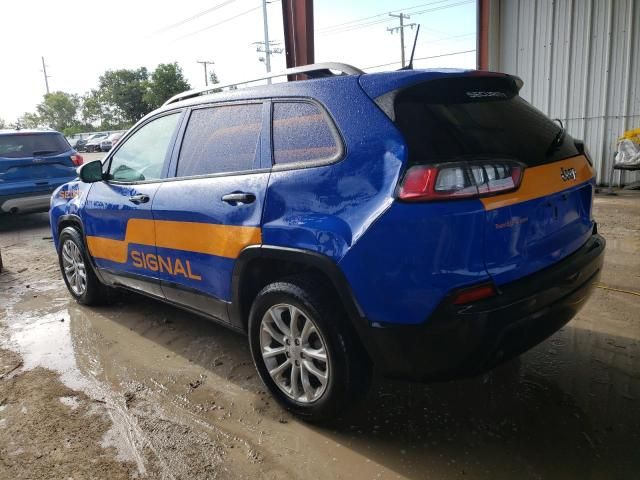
(212, 210)
(118, 219)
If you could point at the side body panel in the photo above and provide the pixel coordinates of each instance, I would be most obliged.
(413, 256)
(67, 201)
(194, 225)
(120, 235)
(326, 209)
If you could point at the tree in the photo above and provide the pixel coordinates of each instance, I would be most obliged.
(3, 124)
(213, 79)
(123, 91)
(28, 120)
(58, 110)
(166, 81)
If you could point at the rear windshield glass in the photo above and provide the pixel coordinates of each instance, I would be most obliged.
(455, 119)
(32, 144)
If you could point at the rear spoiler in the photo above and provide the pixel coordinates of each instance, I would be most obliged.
(386, 101)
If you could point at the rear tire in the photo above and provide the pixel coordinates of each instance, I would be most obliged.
(293, 361)
(77, 272)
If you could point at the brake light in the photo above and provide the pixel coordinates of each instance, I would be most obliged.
(474, 294)
(77, 159)
(461, 180)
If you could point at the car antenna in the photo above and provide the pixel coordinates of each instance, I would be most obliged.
(413, 51)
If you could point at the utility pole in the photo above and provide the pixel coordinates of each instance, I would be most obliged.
(206, 74)
(46, 77)
(401, 28)
(267, 50)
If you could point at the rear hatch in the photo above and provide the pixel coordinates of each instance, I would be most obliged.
(535, 184)
(34, 162)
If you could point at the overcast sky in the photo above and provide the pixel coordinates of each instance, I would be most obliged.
(80, 39)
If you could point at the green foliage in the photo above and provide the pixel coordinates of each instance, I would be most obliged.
(122, 98)
(58, 110)
(123, 91)
(28, 120)
(166, 81)
(213, 79)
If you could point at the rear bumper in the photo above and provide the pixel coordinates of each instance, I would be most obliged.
(34, 202)
(464, 340)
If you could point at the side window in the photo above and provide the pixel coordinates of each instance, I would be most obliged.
(220, 139)
(143, 154)
(301, 133)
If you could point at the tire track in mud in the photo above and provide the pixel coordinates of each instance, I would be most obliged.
(44, 325)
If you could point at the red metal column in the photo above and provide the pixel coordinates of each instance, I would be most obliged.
(297, 18)
(482, 32)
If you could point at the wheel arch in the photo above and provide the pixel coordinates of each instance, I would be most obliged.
(260, 265)
(71, 220)
(65, 221)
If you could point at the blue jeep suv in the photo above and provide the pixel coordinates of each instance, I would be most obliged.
(33, 163)
(423, 224)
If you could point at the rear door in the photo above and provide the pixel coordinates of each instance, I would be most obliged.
(117, 215)
(34, 162)
(482, 121)
(213, 208)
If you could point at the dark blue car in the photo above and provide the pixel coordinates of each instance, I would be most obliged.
(426, 224)
(33, 163)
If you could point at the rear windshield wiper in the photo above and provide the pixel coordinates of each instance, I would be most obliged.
(558, 139)
(43, 152)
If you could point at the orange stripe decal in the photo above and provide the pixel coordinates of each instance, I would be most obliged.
(542, 181)
(211, 239)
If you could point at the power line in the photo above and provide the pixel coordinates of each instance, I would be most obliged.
(379, 15)
(422, 58)
(384, 20)
(193, 17)
(220, 23)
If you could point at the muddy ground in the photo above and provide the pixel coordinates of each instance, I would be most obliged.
(139, 389)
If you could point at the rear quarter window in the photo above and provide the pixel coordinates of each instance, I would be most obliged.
(301, 133)
(220, 139)
(22, 145)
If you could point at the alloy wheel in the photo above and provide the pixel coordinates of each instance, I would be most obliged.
(294, 353)
(74, 267)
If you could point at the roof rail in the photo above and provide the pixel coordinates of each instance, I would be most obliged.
(315, 70)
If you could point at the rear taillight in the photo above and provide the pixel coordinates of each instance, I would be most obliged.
(473, 294)
(77, 159)
(460, 180)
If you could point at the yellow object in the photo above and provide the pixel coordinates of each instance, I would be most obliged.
(633, 135)
(542, 181)
(211, 239)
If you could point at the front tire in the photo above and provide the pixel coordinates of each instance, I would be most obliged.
(305, 351)
(77, 272)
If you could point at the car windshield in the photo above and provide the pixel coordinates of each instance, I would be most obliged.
(22, 145)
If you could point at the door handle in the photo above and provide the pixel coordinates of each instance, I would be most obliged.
(138, 199)
(238, 197)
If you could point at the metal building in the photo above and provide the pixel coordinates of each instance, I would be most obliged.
(580, 62)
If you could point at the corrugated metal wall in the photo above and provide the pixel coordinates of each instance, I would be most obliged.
(580, 61)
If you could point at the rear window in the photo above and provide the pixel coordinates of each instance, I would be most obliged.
(220, 139)
(301, 134)
(22, 145)
(456, 119)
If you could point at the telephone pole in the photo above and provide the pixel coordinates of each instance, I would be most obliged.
(267, 50)
(46, 77)
(206, 74)
(401, 28)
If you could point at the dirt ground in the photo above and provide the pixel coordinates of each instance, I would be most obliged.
(139, 389)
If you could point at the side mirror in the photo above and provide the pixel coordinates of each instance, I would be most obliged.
(91, 172)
